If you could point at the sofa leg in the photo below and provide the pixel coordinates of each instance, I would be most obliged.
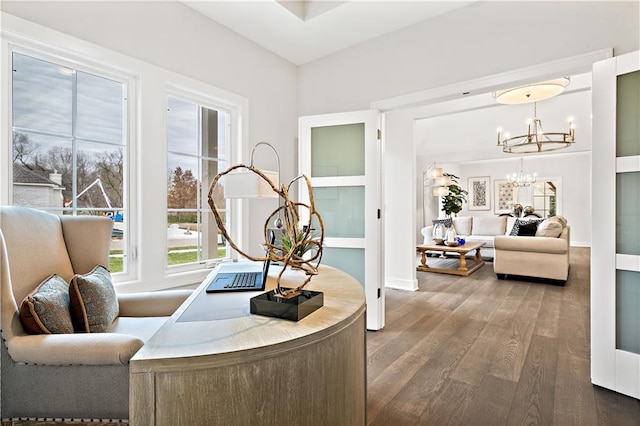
(501, 276)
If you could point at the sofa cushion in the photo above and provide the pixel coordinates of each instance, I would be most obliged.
(490, 225)
(463, 225)
(46, 309)
(551, 227)
(94, 304)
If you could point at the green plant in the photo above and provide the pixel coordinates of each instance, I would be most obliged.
(302, 246)
(452, 203)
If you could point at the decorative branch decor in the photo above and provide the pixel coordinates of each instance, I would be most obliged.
(301, 238)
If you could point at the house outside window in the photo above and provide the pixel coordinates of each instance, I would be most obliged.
(69, 143)
(198, 142)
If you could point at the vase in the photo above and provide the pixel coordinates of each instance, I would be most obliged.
(438, 233)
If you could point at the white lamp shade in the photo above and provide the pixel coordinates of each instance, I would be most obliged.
(246, 184)
(440, 191)
(442, 181)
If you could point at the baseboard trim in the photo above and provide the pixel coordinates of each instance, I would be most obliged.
(401, 284)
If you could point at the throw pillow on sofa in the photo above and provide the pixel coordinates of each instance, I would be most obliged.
(551, 227)
(46, 309)
(525, 228)
(94, 304)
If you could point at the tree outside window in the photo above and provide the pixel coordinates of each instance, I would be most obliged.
(197, 140)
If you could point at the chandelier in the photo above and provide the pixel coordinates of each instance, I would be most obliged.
(522, 178)
(536, 139)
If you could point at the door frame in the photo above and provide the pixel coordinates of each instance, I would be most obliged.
(399, 115)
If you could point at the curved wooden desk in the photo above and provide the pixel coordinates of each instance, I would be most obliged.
(213, 363)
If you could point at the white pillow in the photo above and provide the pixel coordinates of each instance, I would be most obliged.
(551, 227)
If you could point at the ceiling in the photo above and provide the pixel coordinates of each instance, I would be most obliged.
(306, 30)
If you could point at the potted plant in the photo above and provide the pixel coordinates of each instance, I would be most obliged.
(452, 203)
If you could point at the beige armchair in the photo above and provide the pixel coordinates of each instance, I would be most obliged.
(76, 375)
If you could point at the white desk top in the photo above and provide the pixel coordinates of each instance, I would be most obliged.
(236, 333)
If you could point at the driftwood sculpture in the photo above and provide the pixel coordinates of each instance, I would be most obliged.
(301, 239)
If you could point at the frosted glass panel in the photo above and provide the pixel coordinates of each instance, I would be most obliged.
(341, 209)
(627, 113)
(349, 260)
(628, 213)
(337, 150)
(628, 311)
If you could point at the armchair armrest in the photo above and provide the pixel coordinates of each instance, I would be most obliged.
(77, 349)
(152, 304)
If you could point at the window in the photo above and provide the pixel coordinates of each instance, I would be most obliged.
(69, 143)
(545, 195)
(197, 144)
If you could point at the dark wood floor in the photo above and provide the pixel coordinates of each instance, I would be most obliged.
(481, 351)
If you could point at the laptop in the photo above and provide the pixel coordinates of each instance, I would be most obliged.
(243, 276)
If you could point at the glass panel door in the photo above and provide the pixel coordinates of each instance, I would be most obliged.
(615, 247)
(340, 153)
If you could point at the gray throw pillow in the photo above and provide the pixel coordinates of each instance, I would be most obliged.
(94, 304)
(46, 309)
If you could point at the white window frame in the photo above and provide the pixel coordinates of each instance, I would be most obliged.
(212, 102)
(147, 144)
(21, 44)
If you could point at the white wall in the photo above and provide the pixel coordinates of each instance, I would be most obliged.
(482, 39)
(175, 37)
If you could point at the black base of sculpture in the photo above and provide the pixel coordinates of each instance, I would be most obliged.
(294, 308)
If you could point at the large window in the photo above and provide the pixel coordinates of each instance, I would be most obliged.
(69, 143)
(198, 141)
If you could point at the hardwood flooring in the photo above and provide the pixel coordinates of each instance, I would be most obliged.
(481, 351)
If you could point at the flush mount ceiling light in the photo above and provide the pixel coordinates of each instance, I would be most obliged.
(532, 92)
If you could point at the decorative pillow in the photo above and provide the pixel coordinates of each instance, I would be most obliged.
(551, 227)
(46, 309)
(525, 228)
(446, 222)
(562, 219)
(94, 304)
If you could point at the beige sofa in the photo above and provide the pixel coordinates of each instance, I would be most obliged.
(73, 375)
(537, 256)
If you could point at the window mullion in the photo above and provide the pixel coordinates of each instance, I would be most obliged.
(74, 140)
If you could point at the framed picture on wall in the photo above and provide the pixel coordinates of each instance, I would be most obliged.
(479, 193)
(504, 196)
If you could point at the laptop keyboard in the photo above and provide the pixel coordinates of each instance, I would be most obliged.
(243, 280)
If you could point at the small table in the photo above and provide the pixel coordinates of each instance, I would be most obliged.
(461, 267)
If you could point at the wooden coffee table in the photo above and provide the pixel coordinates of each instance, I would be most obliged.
(460, 266)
